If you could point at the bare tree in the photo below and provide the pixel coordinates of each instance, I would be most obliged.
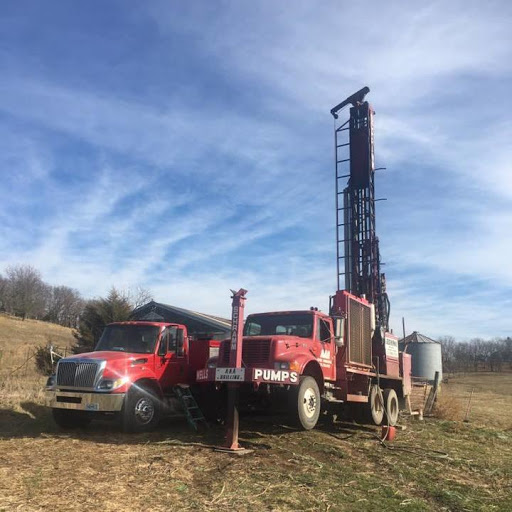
(3, 292)
(64, 306)
(139, 297)
(448, 353)
(25, 291)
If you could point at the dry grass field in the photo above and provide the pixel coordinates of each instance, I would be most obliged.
(438, 464)
(19, 381)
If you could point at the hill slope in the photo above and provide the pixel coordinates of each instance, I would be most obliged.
(17, 336)
(19, 380)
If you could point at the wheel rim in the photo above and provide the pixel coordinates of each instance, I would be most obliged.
(377, 404)
(309, 402)
(393, 410)
(144, 410)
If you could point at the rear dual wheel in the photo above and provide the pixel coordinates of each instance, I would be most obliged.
(382, 407)
(371, 412)
(391, 405)
(375, 407)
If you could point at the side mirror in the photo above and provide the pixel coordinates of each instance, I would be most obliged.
(339, 331)
(162, 348)
(179, 343)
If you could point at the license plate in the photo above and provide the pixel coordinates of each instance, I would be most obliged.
(230, 374)
(92, 407)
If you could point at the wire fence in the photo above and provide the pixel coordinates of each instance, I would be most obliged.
(54, 354)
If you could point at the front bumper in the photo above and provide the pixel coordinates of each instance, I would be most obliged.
(253, 375)
(80, 401)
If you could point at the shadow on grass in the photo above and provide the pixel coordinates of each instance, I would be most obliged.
(35, 421)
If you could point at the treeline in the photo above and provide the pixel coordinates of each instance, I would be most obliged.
(493, 355)
(23, 293)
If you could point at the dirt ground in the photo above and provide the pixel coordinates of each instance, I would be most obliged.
(434, 465)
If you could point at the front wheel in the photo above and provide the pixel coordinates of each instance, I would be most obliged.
(305, 403)
(141, 410)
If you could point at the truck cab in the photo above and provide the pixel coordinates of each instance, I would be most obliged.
(131, 375)
(282, 352)
(279, 347)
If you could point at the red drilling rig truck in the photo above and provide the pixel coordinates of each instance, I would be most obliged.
(346, 360)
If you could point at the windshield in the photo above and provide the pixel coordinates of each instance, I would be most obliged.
(140, 339)
(286, 324)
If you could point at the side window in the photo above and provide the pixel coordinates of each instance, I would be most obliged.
(253, 329)
(171, 344)
(325, 332)
(168, 343)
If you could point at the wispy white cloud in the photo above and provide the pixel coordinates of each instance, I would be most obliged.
(221, 177)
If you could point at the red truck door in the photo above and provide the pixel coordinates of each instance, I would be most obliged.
(171, 360)
(328, 349)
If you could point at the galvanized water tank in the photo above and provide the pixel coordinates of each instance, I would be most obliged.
(426, 355)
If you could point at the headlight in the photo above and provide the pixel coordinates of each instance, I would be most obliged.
(294, 366)
(51, 381)
(111, 384)
(282, 365)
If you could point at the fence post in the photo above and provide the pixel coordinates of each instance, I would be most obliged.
(432, 395)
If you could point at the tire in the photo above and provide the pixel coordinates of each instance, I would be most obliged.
(374, 410)
(69, 418)
(305, 403)
(392, 408)
(141, 410)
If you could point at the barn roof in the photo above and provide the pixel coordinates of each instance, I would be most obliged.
(197, 323)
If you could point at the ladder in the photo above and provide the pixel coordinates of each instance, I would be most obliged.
(342, 166)
(189, 404)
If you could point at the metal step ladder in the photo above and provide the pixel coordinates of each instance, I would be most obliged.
(189, 404)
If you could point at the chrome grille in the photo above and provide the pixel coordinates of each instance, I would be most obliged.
(76, 374)
(254, 352)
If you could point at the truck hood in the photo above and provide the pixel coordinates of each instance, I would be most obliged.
(284, 338)
(110, 356)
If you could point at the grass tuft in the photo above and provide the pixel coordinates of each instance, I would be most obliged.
(449, 408)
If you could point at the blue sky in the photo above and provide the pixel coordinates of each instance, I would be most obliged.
(186, 147)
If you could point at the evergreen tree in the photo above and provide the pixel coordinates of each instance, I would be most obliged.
(96, 315)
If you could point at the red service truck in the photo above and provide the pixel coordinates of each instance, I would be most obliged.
(138, 372)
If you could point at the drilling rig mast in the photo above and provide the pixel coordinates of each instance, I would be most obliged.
(355, 213)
